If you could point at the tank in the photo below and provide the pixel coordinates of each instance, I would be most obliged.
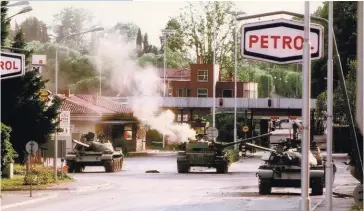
(88, 152)
(282, 167)
(203, 153)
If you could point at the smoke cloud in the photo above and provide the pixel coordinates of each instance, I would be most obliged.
(142, 85)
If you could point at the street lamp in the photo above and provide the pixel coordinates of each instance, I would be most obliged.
(20, 3)
(165, 33)
(235, 14)
(23, 10)
(56, 87)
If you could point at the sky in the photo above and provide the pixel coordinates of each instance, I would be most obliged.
(150, 16)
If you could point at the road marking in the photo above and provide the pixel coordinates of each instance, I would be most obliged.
(322, 200)
(28, 202)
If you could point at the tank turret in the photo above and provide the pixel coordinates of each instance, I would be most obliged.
(282, 167)
(204, 153)
(90, 152)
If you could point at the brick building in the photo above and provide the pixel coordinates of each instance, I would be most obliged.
(197, 81)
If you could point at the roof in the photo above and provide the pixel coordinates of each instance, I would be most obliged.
(175, 73)
(92, 105)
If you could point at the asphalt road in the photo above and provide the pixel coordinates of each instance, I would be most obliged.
(202, 190)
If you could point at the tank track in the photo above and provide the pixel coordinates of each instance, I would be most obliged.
(114, 165)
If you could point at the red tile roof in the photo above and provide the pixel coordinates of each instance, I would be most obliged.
(174, 73)
(87, 104)
(106, 103)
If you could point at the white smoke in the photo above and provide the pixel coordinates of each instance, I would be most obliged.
(143, 85)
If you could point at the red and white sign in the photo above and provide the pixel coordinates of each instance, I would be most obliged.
(279, 41)
(12, 65)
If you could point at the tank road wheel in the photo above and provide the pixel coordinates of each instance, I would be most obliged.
(222, 168)
(358, 194)
(71, 166)
(182, 168)
(264, 186)
(79, 168)
(121, 163)
(317, 187)
(108, 166)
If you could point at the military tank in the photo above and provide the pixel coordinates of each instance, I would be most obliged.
(282, 167)
(204, 153)
(88, 152)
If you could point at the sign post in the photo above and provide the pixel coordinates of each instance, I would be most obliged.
(283, 42)
(65, 126)
(12, 65)
(31, 147)
(306, 89)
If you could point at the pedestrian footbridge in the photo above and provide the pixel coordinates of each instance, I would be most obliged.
(196, 102)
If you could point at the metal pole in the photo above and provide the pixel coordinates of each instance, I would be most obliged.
(214, 69)
(164, 79)
(360, 66)
(236, 87)
(306, 88)
(330, 90)
(56, 134)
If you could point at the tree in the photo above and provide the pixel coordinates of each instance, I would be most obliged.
(129, 31)
(146, 45)
(34, 29)
(21, 108)
(70, 21)
(8, 153)
(139, 41)
(197, 27)
(19, 43)
(175, 42)
(345, 32)
(4, 23)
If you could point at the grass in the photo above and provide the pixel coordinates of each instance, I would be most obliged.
(41, 177)
(17, 184)
(355, 207)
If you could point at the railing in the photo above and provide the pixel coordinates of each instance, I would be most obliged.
(195, 102)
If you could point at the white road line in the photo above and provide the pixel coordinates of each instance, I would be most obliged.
(322, 200)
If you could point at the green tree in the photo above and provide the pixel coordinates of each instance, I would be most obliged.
(4, 23)
(34, 29)
(8, 153)
(22, 110)
(146, 45)
(139, 41)
(128, 30)
(19, 43)
(345, 32)
(69, 21)
(175, 42)
(197, 26)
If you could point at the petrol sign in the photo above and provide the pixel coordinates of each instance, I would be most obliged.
(279, 41)
(12, 65)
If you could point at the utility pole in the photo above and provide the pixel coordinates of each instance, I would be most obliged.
(235, 13)
(165, 33)
(306, 88)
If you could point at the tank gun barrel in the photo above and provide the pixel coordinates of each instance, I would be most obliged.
(260, 147)
(248, 139)
(80, 143)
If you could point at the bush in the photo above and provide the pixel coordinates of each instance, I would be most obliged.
(41, 175)
(8, 153)
(19, 169)
(232, 155)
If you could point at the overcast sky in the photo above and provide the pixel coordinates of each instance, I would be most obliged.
(150, 16)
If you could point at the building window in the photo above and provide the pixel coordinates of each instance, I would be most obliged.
(179, 92)
(202, 93)
(188, 92)
(202, 75)
(227, 93)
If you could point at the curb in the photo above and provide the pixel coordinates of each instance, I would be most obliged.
(31, 201)
(89, 188)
